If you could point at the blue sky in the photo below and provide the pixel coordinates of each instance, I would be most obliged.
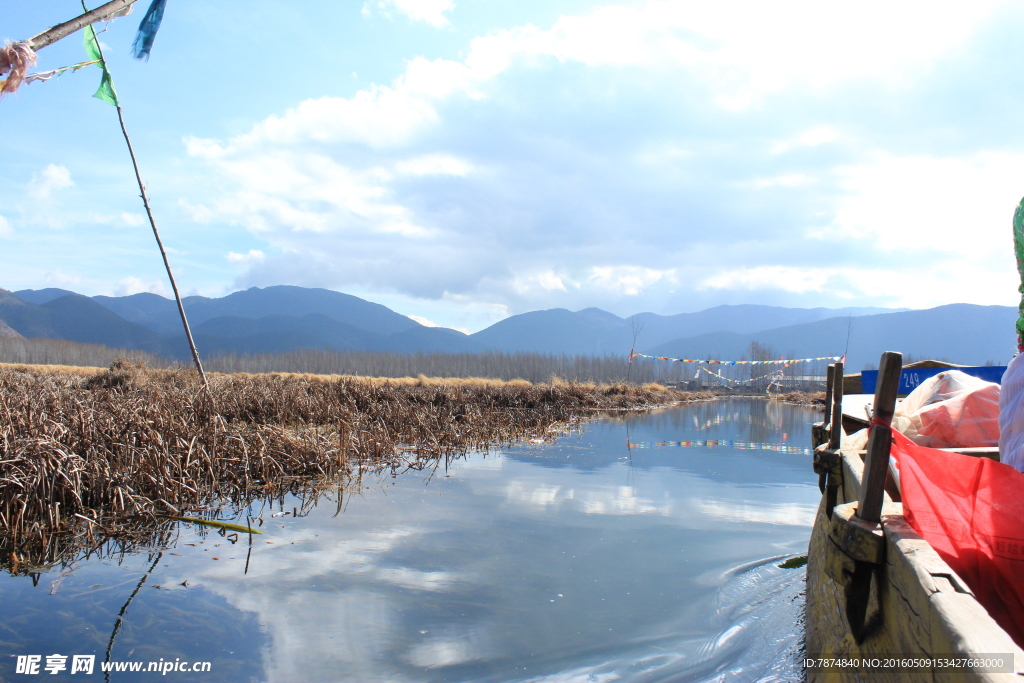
(464, 160)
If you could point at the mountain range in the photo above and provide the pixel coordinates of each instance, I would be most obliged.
(284, 318)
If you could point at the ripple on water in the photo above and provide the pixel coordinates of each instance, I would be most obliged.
(759, 616)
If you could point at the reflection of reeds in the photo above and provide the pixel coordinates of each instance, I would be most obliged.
(136, 442)
(34, 553)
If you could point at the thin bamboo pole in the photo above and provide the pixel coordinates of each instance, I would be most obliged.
(163, 252)
(156, 233)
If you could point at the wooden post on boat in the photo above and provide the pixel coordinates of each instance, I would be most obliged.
(830, 374)
(876, 464)
(819, 430)
(826, 454)
(836, 431)
(855, 531)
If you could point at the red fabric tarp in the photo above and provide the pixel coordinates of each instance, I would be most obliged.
(971, 510)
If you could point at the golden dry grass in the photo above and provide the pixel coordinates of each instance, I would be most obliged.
(803, 398)
(83, 371)
(421, 380)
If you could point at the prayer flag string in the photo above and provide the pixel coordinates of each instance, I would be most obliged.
(784, 362)
(772, 374)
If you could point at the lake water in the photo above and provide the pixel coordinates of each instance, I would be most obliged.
(644, 547)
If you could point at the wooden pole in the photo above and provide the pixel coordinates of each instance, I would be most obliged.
(163, 254)
(836, 430)
(876, 464)
(830, 374)
(101, 13)
(156, 234)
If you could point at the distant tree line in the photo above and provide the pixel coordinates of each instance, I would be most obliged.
(534, 367)
(60, 352)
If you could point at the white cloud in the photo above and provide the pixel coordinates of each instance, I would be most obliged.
(253, 256)
(531, 283)
(423, 321)
(434, 164)
(447, 651)
(593, 500)
(61, 279)
(932, 282)
(417, 579)
(812, 137)
(5, 228)
(957, 205)
(773, 513)
(518, 175)
(629, 280)
(197, 213)
(380, 116)
(53, 177)
(785, 278)
(430, 12)
(124, 219)
(741, 61)
(787, 180)
(132, 220)
(134, 285)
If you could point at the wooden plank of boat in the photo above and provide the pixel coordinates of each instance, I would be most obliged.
(856, 412)
(916, 605)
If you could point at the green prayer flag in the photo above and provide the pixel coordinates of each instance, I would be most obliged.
(1018, 248)
(106, 90)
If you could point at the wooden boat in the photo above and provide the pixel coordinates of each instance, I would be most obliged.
(881, 604)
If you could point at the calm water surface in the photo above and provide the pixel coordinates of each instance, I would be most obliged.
(644, 548)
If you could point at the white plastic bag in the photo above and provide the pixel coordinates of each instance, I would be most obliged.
(1011, 415)
(951, 410)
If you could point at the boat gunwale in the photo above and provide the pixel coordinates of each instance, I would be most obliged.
(914, 583)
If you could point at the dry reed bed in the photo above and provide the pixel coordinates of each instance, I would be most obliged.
(132, 441)
(803, 398)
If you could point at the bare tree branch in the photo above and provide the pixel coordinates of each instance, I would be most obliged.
(110, 10)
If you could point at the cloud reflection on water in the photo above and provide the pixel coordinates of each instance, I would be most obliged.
(505, 563)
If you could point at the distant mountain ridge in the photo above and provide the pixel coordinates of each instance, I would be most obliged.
(597, 332)
(270, 320)
(961, 333)
(285, 318)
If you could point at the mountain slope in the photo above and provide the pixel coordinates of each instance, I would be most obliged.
(961, 333)
(744, 318)
(596, 332)
(80, 319)
(150, 310)
(8, 332)
(41, 296)
(28, 319)
(557, 330)
(278, 333)
(162, 315)
(277, 319)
